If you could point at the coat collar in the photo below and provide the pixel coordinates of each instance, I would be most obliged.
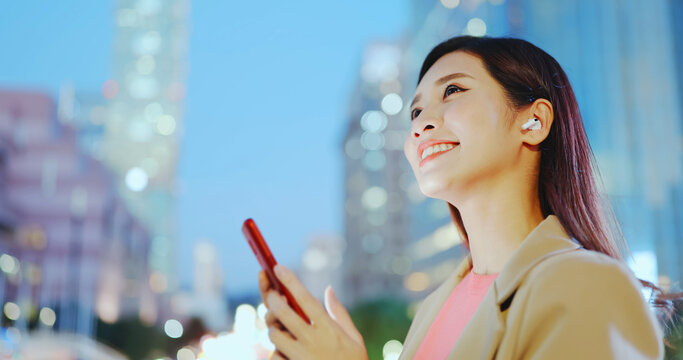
(547, 239)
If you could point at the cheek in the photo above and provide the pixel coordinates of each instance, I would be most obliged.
(453, 115)
(464, 122)
(473, 119)
(460, 115)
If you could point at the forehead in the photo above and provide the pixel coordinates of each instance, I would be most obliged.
(454, 62)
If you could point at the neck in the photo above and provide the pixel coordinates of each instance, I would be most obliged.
(497, 221)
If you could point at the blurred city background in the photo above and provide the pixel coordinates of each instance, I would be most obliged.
(137, 135)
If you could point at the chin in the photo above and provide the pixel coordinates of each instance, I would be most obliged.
(446, 186)
(433, 188)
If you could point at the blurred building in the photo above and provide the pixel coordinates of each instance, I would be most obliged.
(321, 264)
(144, 112)
(86, 113)
(377, 228)
(70, 248)
(206, 300)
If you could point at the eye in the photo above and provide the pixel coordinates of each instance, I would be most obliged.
(415, 113)
(451, 89)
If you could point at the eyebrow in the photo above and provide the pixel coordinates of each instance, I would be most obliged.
(441, 81)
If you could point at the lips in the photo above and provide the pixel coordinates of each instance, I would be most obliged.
(431, 144)
(430, 149)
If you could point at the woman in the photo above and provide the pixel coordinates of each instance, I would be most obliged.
(496, 132)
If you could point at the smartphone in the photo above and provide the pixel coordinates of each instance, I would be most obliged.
(265, 258)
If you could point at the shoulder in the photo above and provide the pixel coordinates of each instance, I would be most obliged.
(583, 267)
(587, 281)
(589, 297)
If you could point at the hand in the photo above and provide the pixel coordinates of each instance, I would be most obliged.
(331, 335)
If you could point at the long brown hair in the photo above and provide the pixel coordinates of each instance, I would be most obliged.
(567, 181)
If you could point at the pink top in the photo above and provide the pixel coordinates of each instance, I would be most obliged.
(453, 316)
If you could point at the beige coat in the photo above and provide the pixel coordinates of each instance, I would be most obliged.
(569, 303)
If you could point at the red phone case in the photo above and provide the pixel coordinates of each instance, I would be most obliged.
(265, 258)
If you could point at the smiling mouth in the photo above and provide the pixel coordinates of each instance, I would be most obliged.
(436, 150)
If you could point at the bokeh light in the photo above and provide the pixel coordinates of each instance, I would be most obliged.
(374, 197)
(392, 350)
(147, 43)
(261, 310)
(381, 64)
(315, 260)
(185, 353)
(173, 328)
(9, 264)
(47, 316)
(392, 104)
(476, 27)
(12, 310)
(417, 281)
(450, 4)
(136, 179)
(372, 140)
(166, 125)
(373, 121)
(245, 316)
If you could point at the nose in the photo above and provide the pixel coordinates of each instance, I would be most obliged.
(420, 127)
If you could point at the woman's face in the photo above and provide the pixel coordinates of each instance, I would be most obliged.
(460, 140)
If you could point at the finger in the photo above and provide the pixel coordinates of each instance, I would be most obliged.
(276, 355)
(339, 314)
(272, 321)
(277, 304)
(263, 284)
(308, 303)
(285, 344)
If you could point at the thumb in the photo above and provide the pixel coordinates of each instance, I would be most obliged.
(339, 314)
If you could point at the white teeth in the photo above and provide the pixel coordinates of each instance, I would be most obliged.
(436, 148)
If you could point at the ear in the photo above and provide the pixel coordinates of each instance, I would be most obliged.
(542, 110)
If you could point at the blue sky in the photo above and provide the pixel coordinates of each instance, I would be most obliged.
(268, 86)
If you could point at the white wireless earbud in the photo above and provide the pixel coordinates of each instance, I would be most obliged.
(532, 124)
